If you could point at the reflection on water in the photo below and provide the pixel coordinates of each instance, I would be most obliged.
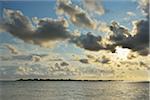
(72, 90)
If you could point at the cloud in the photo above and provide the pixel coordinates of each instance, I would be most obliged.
(119, 32)
(62, 68)
(117, 61)
(3, 58)
(95, 72)
(46, 29)
(100, 57)
(103, 60)
(119, 36)
(88, 41)
(140, 40)
(129, 13)
(44, 32)
(12, 49)
(76, 14)
(144, 5)
(23, 57)
(23, 70)
(137, 39)
(94, 6)
(84, 61)
(103, 27)
(36, 58)
(101, 64)
(64, 64)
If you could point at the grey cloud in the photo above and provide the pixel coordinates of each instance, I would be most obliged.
(140, 41)
(46, 30)
(84, 61)
(64, 63)
(88, 41)
(119, 32)
(76, 14)
(103, 60)
(16, 23)
(53, 29)
(58, 68)
(90, 56)
(3, 58)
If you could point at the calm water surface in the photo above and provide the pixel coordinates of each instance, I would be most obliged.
(73, 90)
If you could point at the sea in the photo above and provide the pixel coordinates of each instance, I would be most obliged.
(73, 90)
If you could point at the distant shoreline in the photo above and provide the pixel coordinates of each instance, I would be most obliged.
(79, 80)
(60, 80)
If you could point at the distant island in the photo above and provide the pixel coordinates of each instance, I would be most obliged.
(60, 80)
(35, 79)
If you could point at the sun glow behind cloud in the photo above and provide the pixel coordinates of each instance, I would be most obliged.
(122, 53)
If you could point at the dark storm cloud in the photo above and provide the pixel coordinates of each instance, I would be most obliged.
(119, 32)
(88, 41)
(76, 14)
(46, 29)
(140, 41)
(122, 37)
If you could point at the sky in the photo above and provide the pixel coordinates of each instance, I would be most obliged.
(76, 39)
